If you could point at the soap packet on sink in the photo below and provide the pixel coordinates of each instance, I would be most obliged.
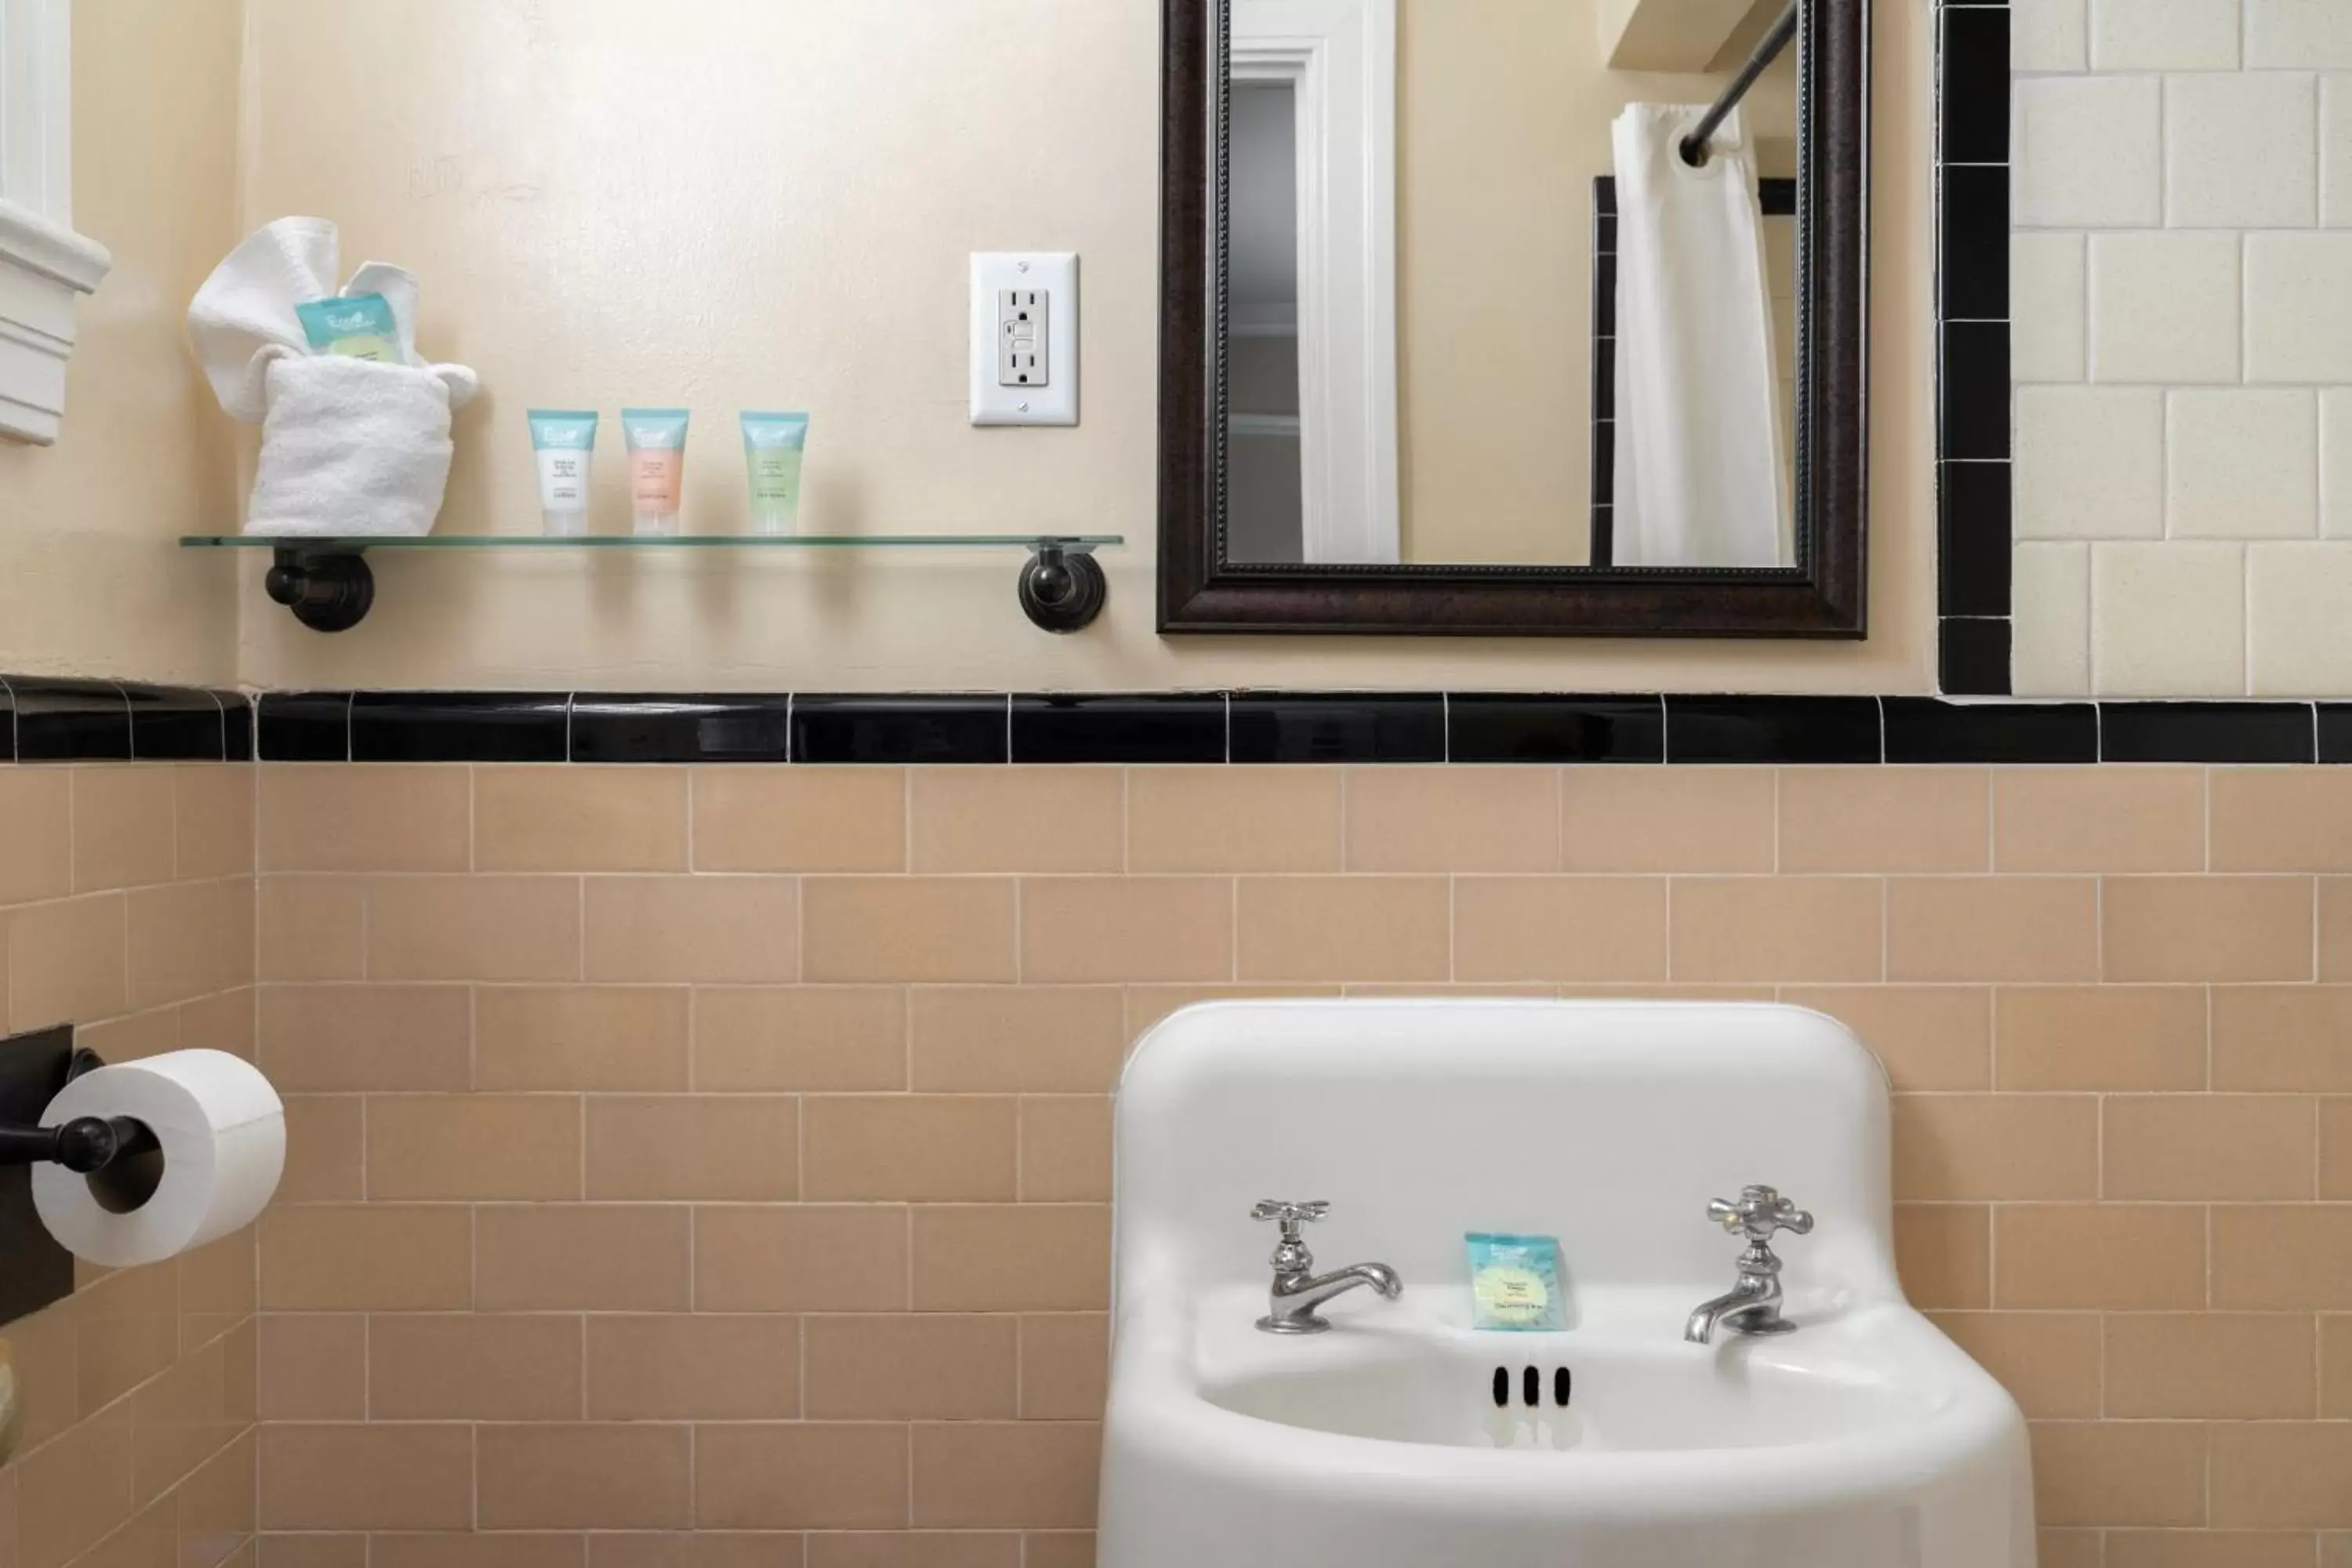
(1515, 1283)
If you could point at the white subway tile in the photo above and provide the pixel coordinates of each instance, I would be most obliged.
(2299, 597)
(2164, 307)
(2303, 33)
(2242, 464)
(2169, 619)
(2049, 625)
(2164, 35)
(2047, 36)
(2336, 151)
(2087, 151)
(2046, 305)
(2335, 463)
(2299, 307)
(2089, 462)
(2241, 150)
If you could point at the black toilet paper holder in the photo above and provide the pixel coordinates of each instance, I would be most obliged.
(86, 1144)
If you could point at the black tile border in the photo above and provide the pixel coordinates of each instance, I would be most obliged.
(1510, 727)
(1120, 728)
(50, 719)
(55, 719)
(1741, 729)
(974, 729)
(1335, 727)
(2207, 731)
(656, 727)
(460, 727)
(1972, 355)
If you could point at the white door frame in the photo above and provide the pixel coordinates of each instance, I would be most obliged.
(1339, 57)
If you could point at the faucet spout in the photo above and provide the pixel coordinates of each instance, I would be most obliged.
(1760, 1298)
(1290, 1307)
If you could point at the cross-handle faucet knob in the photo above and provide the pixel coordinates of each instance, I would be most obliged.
(1760, 1212)
(1290, 1254)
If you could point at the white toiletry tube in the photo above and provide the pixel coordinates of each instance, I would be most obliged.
(563, 440)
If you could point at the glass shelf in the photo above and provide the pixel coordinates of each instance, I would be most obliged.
(326, 581)
(329, 544)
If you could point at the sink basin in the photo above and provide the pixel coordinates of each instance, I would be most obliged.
(1405, 1436)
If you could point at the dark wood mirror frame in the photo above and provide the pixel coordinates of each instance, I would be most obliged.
(1821, 597)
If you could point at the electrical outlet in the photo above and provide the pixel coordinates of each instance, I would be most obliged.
(1023, 316)
(1024, 338)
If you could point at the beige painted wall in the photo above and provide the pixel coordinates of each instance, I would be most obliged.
(769, 205)
(91, 582)
(1504, 116)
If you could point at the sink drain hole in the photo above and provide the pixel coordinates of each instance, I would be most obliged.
(1560, 1386)
(1532, 1386)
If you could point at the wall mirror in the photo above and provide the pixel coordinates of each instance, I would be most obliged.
(1514, 317)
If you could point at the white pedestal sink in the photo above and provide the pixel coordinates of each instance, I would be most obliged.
(1865, 1439)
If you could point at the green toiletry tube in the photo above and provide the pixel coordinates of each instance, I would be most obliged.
(772, 444)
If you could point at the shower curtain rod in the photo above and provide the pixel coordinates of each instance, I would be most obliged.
(1768, 49)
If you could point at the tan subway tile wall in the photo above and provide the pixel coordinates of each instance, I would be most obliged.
(710, 1166)
(127, 903)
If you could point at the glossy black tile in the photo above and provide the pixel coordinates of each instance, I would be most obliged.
(1509, 726)
(1972, 657)
(236, 726)
(1302, 727)
(898, 729)
(1925, 730)
(459, 726)
(71, 721)
(7, 722)
(2206, 733)
(1972, 262)
(1772, 729)
(2336, 732)
(1972, 80)
(1776, 196)
(1140, 729)
(303, 727)
(659, 727)
(1972, 525)
(175, 723)
(1972, 390)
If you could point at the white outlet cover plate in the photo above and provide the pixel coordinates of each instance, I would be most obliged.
(1055, 274)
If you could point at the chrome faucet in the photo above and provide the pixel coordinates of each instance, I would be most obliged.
(1297, 1292)
(1753, 1305)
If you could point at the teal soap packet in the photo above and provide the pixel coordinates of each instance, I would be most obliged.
(1515, 1283)
(353, 326)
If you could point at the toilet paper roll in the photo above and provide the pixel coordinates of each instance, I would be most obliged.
(222, 1133)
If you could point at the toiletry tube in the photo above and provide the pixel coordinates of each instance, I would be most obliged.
(772, 444)
(563, 439)
(656, 438)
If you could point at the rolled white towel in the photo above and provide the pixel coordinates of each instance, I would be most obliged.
(352, 447)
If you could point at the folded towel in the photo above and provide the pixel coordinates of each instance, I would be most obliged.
(242, 320)
(353, 447)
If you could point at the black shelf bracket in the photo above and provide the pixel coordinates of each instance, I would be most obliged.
(327, 590)
(1062, 589)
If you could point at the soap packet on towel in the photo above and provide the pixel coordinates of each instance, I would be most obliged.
(1515, 1283)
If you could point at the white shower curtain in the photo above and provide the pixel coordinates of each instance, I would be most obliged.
(1701, 472)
